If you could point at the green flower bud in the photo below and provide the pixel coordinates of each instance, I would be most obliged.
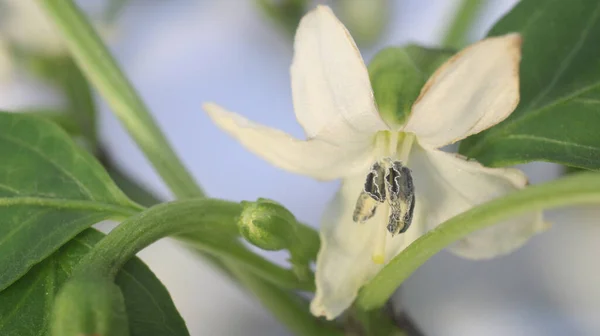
(268, 225)
(86, 307)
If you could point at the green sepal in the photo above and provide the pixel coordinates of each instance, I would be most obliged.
(397, 75)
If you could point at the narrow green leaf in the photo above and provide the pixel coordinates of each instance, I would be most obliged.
(102, 71)
(558, 117)
(583, 188)
(397, 76)
(25, 307)
(50, 190)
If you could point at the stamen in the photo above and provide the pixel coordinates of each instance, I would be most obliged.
(401, 197)
(378, 255)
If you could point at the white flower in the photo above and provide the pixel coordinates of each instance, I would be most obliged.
(333, 101)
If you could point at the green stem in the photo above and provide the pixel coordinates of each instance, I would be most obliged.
(287, 308)
(203, 219)
(466, 13)
(101, 69)
(137, 232)
(583, 188)
(124, 241)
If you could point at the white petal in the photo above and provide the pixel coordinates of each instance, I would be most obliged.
(474, 90)
(315, 157)
(449, 185)
(330, 83)
(344, 262)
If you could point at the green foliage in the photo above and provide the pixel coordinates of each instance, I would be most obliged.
(63, 73)
(26, 306)
(558, 117)
(50, 190)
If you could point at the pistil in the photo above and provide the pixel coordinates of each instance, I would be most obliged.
(386, 152)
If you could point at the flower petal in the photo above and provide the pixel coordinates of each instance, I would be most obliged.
(472, 91)
(330, 82)
(344, 262)
(315, 157)
(449, 185)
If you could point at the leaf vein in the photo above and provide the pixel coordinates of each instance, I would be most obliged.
(48, 159)
(567, 61)
(544, 139)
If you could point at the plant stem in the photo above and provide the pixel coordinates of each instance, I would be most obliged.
(100, 68)
(582, 188)
(204, 219)
(127, 239)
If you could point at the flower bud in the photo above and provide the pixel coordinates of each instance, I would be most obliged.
(89, 307)
(268, 225)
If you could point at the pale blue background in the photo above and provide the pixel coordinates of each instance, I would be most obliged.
(181, 53)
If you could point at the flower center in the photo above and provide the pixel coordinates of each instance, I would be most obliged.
(388, 185)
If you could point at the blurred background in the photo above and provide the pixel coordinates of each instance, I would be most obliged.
(181, 53)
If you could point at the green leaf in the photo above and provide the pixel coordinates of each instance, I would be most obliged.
(62, 119)
(558, 117)
(25, 307)
(582, 188)
(100, 68)
(397, 76)
(50, 190)
(62, 72)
